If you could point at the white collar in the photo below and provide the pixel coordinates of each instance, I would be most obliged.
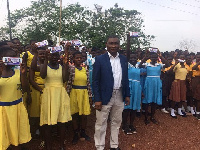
(131, 66)
(112, 56)
(156, 64)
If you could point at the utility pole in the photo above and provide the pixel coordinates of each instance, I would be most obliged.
(9, 20)
(128, 46)
(60, 20)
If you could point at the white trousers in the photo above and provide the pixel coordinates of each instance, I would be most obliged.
(115, 108)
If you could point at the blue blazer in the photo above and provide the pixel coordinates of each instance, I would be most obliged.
(103, 80)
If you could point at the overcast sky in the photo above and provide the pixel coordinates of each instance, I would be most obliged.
(171, 21)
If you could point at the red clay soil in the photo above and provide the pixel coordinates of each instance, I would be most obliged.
(170, 134)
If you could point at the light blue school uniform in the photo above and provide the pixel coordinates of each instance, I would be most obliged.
(135, 88)
(153, 84)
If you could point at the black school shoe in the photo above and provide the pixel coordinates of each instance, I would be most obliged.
(133, 130)
(184, 114)
(115, 148)
(175, 117)
(154, 121)
(138, 114)
(76, 137)
(126, 130)
(146, 121)
(84, 136)
(198, 117)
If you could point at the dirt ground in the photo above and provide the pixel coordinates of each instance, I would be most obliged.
(169, 134)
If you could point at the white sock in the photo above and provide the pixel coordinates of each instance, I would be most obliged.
(197, 112)
(188, 108)
(37, 132)
(138, 110)
(179, 111)
(172, 112)
(192, 110)
(183, 109)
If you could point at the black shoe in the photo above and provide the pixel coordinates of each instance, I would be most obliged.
(154, 120)
(62, 148)
(127, 131)
(138, 114)
(198, 117)
(149, 114)
(146, 121)
(175, 117)
(115, 148)
(84, 136)
(184, 115)
(75, 138)
(24, 148)
(133, 130)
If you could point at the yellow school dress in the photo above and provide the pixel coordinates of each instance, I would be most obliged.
(29, 59)
(14, 123)
(79, 98)
(55, 102)
(35, 95)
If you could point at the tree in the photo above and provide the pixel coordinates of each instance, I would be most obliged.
(4, 33)
(118, 21)
(187, 45)
(41, 21)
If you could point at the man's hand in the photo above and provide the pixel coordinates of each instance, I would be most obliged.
(127, 101)
(98, 106)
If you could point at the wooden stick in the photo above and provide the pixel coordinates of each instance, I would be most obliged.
(9, 21)
(128, 46)
(60, 20)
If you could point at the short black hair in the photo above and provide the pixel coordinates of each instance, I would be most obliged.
(32, 41)
(93, 49)
(41, 48)
(76, 53)
(50, 43)
(3, 43)
(14, 39)
(112, 36)
(5, 49)
(187, 56)
(198, 53)
(133, 52)
(153, 53)
(169, 56)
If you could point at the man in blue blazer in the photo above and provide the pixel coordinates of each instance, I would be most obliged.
(110, 89)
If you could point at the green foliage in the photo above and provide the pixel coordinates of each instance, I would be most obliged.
(41, 21)
(4, 33)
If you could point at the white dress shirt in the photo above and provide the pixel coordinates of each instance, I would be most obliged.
(116, 69)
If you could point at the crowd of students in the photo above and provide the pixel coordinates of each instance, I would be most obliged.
(55, 88)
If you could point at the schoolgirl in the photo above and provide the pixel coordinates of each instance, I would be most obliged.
(196, 84)
(135, 99)
(14, 123)
(153, 84)
(178, 89)
(37, 86)
(55, 102)
(79, 89)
